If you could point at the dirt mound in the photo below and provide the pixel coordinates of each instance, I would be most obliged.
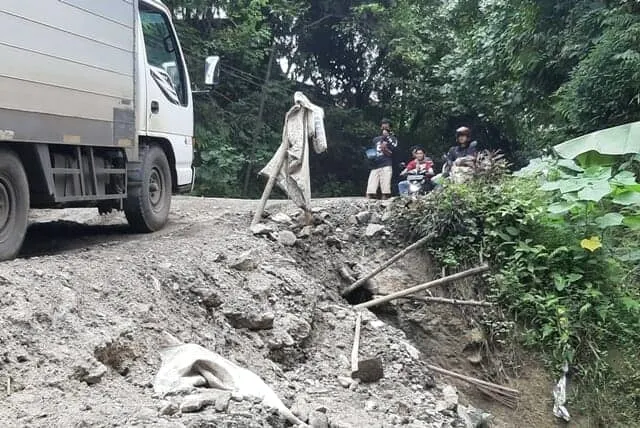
(80, 327)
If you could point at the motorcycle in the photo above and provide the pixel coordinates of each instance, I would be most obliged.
(419, 182)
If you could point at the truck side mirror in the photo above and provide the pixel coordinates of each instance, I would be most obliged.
(212, 70)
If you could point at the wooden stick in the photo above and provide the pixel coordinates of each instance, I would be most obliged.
(434, 283)
(356, 344)
(449, 301)
(475, 381)
(507, 400)
(8, 385)
(269, 187)
(360, 282)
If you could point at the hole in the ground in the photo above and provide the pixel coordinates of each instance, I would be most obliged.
(359, 295)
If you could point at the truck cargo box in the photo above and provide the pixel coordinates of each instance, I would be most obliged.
(67, 71)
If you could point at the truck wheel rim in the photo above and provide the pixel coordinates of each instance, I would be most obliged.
(6, 205)
(156, 190)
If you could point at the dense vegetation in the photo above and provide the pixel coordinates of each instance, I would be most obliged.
(561, 238)
(524, 74)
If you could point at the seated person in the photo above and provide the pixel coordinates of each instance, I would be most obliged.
(462, 152)
(419, 165)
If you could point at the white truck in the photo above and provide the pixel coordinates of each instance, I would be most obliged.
(96, 110)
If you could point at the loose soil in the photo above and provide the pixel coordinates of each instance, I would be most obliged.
(84, 309)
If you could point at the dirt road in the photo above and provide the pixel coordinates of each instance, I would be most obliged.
(83, 310)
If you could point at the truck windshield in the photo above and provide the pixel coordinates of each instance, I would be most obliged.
(162, 50)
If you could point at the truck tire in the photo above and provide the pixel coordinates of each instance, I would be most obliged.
(147, 206)
(14, 204)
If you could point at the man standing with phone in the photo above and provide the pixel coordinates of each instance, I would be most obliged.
(382, 170)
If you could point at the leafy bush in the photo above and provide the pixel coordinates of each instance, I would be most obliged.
(560, 254)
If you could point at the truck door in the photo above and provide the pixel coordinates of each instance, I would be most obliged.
(169, 105)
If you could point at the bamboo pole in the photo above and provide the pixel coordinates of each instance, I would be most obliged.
(429, 299)
(356, 344)
(475, 381)
(508, 400)
(272, 180)
(434, 283)
(360, 282)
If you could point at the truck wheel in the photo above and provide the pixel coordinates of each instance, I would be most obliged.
(147, 206)
(14, 204)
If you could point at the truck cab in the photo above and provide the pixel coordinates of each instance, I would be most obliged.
(96, 109)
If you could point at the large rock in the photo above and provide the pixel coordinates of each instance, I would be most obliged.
(373, 229)
(244, 262)
(322, 229)
(287, 238)
(260, 229)
(296, 327)
(279, 339)
(449, 399)
(305, 232)
(168, 409)
(89, 370)
(195, 403)
(344, 381)
(281, 218)
(209, 298)
(369, 370)
(363, 217)
(192, 405)
(318, 419)
(242, 318)
(474, 418)
(333, 241)
(222, 402)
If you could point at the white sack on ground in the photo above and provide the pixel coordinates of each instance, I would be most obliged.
(185, 366)
(304, 122)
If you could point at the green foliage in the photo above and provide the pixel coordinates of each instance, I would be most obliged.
(561, 243)
(604, 88)
(523, 74)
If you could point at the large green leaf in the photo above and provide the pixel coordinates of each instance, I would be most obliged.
(595, 191)
(610, 220)
(624, 178)
(560, 207)
(570, 164)
(571, 185)
(632, 221)
(597, 172)
(550, 186)
(627, 198)
(619, 140)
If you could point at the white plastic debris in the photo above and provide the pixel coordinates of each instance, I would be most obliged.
(560, 396)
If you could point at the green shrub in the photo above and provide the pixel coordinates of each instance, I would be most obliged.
(563, 264)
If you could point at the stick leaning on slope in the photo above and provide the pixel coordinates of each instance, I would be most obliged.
(434, 283)
(360, 282)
